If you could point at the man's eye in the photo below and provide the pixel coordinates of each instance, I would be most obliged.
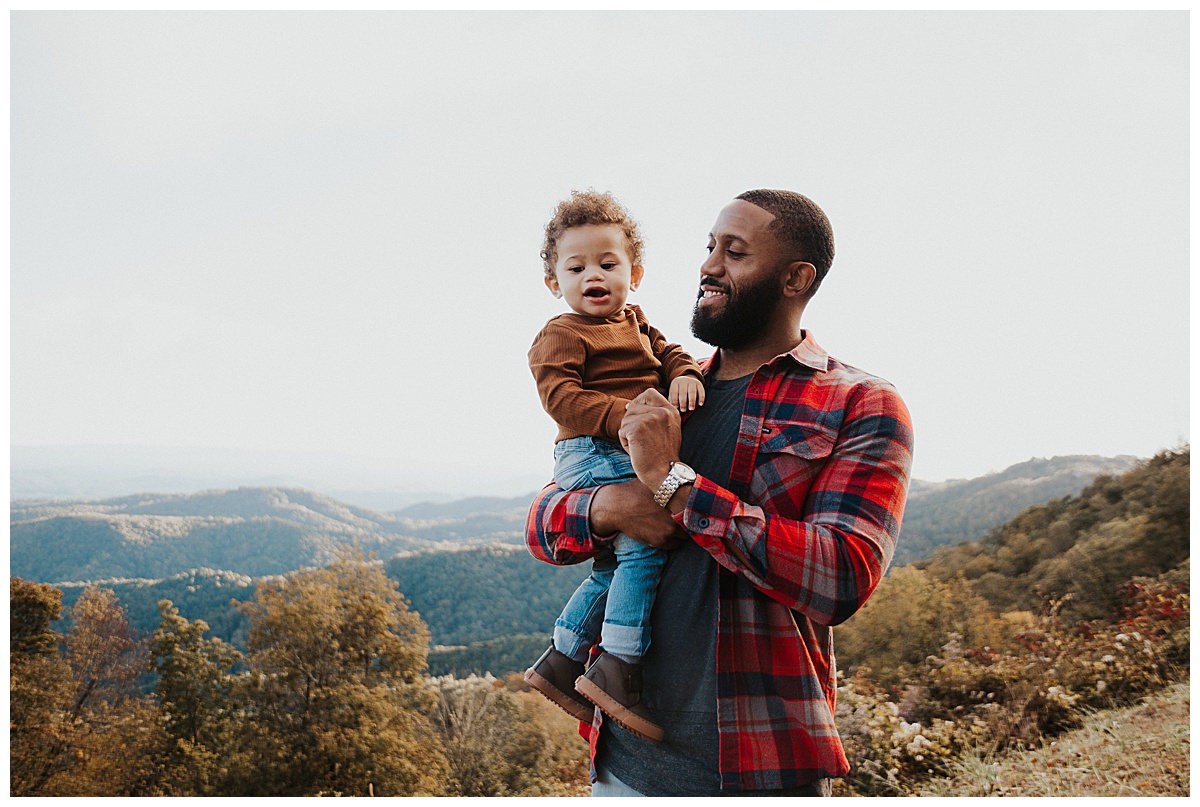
(709, 248)
(734, 254)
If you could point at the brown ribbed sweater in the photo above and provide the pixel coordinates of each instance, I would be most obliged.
(588, 368)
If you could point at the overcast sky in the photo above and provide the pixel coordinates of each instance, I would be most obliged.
(319, 231)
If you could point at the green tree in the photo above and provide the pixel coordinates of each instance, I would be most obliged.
(335, 696)
(195, 689)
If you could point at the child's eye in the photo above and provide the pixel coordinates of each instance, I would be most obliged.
(607, 265)
(575, 269)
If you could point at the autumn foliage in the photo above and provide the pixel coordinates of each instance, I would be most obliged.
(332, 698)
(1074, 606)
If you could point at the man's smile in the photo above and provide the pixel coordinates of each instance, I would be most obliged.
(709, 292)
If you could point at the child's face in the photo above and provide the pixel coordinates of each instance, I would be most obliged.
(592, 272)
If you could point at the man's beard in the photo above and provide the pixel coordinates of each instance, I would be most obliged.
(743, 317)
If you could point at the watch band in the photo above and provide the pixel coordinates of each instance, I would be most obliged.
(678, 474)
(666, 490)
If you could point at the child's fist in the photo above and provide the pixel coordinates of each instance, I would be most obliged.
(687, 392)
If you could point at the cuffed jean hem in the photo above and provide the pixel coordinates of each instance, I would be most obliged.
(571, 644)
(608, 785)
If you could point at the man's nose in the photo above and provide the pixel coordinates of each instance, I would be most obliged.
(711, 266)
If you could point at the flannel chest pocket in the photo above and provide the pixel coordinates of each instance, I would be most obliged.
(790, 456)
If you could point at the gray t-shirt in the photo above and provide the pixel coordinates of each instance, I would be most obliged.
(680, 671)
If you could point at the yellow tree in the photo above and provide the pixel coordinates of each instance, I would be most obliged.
(39, 687)
(103, 733)
(335, 697)
(911, 616)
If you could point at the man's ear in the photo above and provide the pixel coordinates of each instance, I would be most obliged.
(635, 277)
(552, 284)
(798, 279)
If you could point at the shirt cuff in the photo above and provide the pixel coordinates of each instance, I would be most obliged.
(708, 510)
(577, 525)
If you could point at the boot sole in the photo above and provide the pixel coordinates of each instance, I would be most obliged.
(610, 706)
(559, 698)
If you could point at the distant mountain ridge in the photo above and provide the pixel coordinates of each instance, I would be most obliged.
(251, 531)
(268, 530)
(948, 513)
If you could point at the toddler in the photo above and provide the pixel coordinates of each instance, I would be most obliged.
(588, 364)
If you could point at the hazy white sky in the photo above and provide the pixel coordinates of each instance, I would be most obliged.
(319, 231)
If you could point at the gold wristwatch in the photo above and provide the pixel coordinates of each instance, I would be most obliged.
(679, 474)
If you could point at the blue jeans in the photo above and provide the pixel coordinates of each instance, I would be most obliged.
(613, 604)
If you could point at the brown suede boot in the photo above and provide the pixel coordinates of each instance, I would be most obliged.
(554, 676)
(616, 687)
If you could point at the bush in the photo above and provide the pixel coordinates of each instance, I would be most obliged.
(979, 699)
(888, 754)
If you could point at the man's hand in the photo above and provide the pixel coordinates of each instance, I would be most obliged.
(650, 434)
(629, 507)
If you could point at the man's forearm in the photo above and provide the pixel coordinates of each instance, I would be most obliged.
(629, 507)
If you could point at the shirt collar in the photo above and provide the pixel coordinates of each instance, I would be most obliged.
(807, 354)
(810, 354)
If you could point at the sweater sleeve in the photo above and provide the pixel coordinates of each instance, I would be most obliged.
(674, 359)
(557, 359)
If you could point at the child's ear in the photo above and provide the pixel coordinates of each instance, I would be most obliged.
(635, 277)
(552, 284)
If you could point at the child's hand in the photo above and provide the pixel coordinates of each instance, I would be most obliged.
(687, 392)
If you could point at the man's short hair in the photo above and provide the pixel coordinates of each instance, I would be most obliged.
(800, 226)
(590, 207)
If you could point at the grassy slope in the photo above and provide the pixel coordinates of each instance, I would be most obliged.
(1140, 750)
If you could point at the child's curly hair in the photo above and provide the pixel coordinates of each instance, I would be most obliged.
(590, 207)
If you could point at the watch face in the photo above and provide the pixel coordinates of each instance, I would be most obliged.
(684, 472)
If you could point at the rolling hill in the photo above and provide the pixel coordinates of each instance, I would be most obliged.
(250, 531)
(461, 565)
(948, 513)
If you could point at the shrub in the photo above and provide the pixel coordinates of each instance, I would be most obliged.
(979, 699)
(889, 754)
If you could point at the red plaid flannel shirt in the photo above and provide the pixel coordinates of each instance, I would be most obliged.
(802, 537)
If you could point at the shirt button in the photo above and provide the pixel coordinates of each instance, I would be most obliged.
(704, 523)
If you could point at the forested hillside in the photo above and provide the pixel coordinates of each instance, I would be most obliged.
(252, 531)
(1073, 606)
(494, 599)
(481, 595)
(474, 595)
(198, 594)
(1084, 546)
(948, 513)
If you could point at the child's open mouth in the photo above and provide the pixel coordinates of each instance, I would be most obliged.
(596, 293)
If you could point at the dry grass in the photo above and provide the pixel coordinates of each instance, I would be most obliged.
(1140, 750)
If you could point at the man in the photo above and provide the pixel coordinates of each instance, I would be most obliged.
(783, 495)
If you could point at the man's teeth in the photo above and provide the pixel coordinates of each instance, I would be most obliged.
(710, 293)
